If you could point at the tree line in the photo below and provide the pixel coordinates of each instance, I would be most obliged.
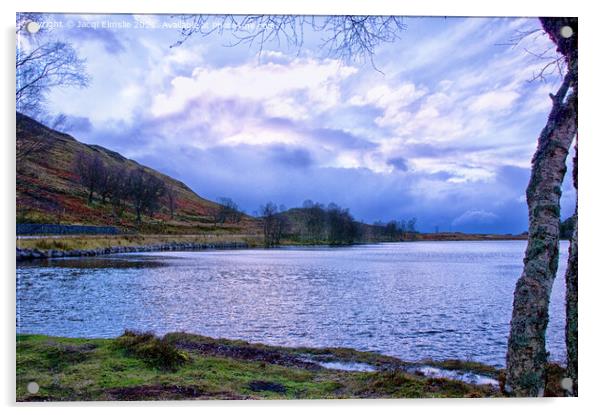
(120, 185)
(315, 223)
(395, 230)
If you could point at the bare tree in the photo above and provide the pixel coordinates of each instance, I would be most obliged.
(342, 228)
(112, 181)
(90, 170)
(105, 184)
(118, 194)
(42, 63)
(145, 191)
(49, 65)
(273, 224)
(170, 194)
(227, 211)
(216, 215)
(390, 230)
(527, 356)
(411, 230)
(314, 221)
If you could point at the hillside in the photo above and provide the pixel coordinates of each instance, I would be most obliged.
(48, 190)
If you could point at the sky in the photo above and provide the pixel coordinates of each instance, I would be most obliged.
(441, 126)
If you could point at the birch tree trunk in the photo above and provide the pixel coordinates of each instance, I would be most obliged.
(526, 358)
(571, 300)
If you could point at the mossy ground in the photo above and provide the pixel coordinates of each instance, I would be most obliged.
(69, 369)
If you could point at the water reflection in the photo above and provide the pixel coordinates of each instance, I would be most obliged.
(133, 261)
(415, 301)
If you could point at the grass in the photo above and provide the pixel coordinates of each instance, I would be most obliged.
(140, 366)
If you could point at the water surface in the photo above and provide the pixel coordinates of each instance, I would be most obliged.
(417, 300)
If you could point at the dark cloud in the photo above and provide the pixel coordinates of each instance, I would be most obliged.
(280, 122)
(431, 150)
(442, 176)
(77, 125)
(514, 176)
(330, 136)
(122, 136)
(399, 163)
(293, 157)
(341, 139)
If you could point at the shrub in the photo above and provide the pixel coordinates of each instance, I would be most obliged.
(61, 355)
(154, 351)
(48, 244)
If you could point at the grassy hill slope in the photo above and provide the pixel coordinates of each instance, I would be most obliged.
(49, 192)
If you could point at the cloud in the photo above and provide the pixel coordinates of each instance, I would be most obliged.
(301, 85)
(389, 98)
(494, 101)
(457, 41)
(479, 117)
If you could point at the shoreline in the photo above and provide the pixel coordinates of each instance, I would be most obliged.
(182, 366)
(24, 254)
(188, 366)
(56, 244)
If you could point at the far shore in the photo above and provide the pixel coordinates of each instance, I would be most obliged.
(89, 247)
(58, 246)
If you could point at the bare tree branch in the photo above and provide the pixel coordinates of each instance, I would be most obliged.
(50, 65)
(552, 63)
(344, 37)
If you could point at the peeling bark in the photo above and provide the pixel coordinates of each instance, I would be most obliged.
(526, 358)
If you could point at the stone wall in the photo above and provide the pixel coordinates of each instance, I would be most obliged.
(49, 229)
